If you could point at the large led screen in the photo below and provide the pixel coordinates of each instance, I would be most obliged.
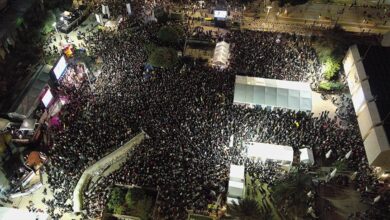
(46, 99)
(60, 67)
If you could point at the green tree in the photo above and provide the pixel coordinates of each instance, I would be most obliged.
(331, 86)
(168, 35)
(331, 67)
(161, 15)
(119, 209)
(246, 209)
(163, 57)
(128, 199)
(291, 193)
(116, 199)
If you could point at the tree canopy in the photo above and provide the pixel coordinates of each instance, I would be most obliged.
(169, 35)
(163, 57)
(246, 209)
(331, 67)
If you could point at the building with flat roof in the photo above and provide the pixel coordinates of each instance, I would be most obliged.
(368, 75)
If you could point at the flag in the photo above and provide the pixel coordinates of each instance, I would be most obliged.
(348, 154)
(333, 173)
(327, 155)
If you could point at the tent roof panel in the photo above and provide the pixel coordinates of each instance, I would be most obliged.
(275, 93)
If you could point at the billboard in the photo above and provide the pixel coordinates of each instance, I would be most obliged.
(60, 67)
(47, 98)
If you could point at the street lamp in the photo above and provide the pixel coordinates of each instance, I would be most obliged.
(268, 9)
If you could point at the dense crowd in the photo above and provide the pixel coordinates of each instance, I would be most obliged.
(188, 115)
(276, 56)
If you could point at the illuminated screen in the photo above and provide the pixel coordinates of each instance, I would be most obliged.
(46, 99)
(220, 14)
(60, 67)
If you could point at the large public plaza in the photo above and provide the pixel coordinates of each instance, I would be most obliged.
(195, 110)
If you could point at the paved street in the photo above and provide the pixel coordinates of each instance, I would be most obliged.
(312, 16)
(354, 19)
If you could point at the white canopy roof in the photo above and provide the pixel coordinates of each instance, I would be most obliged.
(306, 156)
(274, 93)
(367, 118)
(365, 68)
(236, 181)
(377, 147)
(236, 189)
(221, 54)
(237, 173)
(266, 152)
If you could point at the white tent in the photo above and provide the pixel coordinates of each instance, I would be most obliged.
(236, 186)
(306, 156)
(221, 54)
(236, 189)
(237, 173)
(368, 117)
(361, 95)
(273, 93)
(366, 71)
(377, 147)
(264, 152)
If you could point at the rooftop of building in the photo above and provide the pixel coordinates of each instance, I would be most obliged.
(376, 61)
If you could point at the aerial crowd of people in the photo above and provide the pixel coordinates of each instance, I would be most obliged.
(189, 117)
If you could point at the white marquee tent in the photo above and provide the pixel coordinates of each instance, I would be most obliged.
(237, 173)
(221, 55)
(273, 93)
(306, 156)
(283, 154)
(264, 152)
(236, 182)
(364, 68)
(377, 147)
